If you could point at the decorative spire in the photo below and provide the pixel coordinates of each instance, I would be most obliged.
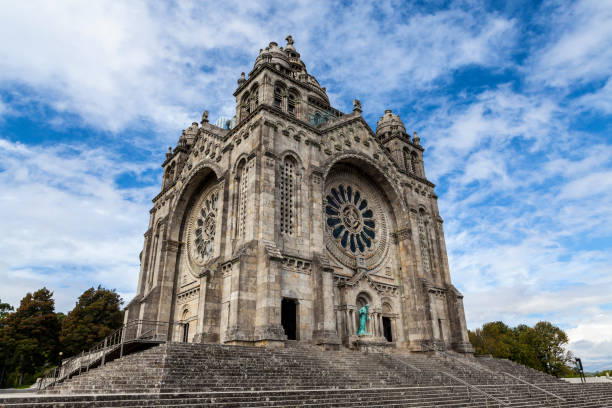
(169, 154)
(289, 40)
(416, 139)
(242, 79)
(356, 105)
(204, 118)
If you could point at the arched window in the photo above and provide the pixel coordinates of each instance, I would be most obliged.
(169, 176)
(414, 163)
(245, 109)
(293, 101)
(424, 242)
(291, 104)
(153, 260)
(407, 160)
(243, 186)
(254, 97)
(287, 196)
(279, 93)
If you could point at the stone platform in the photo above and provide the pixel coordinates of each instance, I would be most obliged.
(186, 374)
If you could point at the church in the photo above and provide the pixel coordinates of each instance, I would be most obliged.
(283, 222)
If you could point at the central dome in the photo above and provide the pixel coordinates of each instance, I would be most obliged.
(287, 60)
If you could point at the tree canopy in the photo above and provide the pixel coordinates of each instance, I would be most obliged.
(541, 347)
(32, 336)
(96, 315)
(29, 338)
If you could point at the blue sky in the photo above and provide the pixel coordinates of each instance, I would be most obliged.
(512, 101)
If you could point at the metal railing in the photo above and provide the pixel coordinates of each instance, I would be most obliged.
(547, 393)
(113, 345)
(475, 388)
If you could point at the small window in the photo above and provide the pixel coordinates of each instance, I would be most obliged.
(278, 96)
(291, 104)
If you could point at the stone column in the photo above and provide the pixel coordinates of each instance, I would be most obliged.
(168, 261)
(242, 297)
(201, 309)
(268, 328)
(416, 325)
(325, 319)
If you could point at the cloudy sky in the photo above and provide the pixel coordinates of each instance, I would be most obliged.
(513, 103)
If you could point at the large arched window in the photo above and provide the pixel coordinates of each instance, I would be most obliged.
(153, 258)
(287, 196)
(243, 186)
(424, 241)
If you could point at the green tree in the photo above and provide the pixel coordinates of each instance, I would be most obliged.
(540, 347)
(96, 315)
(524, 351)
(549, 342)
(5, 309)
(495, 338)
(29, 338)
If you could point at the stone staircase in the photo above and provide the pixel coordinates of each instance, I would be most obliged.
(186, 374)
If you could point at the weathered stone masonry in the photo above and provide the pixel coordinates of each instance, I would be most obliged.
(286, 224)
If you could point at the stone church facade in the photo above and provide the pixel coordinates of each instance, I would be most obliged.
(285, 223)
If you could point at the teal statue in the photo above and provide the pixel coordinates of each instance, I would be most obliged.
(363, 319)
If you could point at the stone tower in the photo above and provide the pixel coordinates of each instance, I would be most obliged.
(284, 221)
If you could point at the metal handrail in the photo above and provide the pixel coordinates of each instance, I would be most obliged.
(133, 331)
(476, 366)
(397, 360)
(533, 385)
(473, 387)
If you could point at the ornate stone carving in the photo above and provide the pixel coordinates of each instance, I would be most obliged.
(402, 235)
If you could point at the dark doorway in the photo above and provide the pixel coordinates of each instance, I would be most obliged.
(440, 329)
(387, 328)
(289, 318)
(185, 332)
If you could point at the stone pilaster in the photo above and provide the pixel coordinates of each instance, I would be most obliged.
(325, 319)
(268, 329)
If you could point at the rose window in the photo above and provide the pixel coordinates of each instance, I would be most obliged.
(203, 226)
(350, 219)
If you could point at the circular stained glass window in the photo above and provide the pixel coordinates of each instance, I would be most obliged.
(202, 227)
(350, 218)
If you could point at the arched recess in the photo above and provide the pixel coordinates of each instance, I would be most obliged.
(204, 172)
(183, 258)
(362, 299)
(387, 205)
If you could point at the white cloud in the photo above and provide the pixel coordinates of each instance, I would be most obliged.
(580, 46)
(591, 339)
(523, 191)
(66, 223)
(600, 100)
(119, 64)
(524, 210)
